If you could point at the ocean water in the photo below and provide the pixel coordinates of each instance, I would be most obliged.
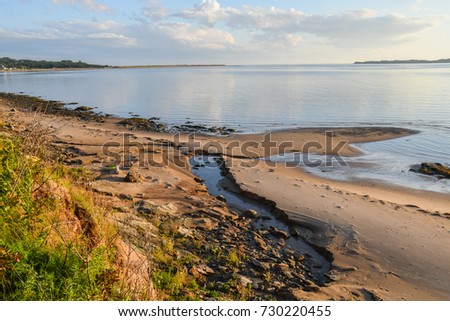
(260, 98)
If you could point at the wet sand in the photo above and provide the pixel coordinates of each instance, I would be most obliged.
(389, 241)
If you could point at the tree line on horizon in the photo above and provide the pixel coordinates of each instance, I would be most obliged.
(9, 63)
(410, 61)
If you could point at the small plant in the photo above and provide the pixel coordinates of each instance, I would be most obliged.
(233, 259)
(216, 251)
(170, 280)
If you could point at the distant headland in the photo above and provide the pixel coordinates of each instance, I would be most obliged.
(7, 63)
(10, 64)
(411, 61)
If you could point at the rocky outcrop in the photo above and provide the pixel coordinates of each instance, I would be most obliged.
(434, 169)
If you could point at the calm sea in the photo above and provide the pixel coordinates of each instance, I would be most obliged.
(257, 98)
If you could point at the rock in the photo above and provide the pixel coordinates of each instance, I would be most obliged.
(251, 214)
(260, 241)
(221, 198)
(133, 177)
(76, 161)
(193, 271)
(433, 169)
(125, 197)
(198, 180)
(287, 272)
(300, 257)
(185, 232)
(278, 285)
(201, 223)
(201, 270)
(204, 269)
(243, 280)
(260, 265)
(84, 108)
(311, 286)
(294, 232)
(278, 233)
(138, 123)
(217, 212)
(147, 207)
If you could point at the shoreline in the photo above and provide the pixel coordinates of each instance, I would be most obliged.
(347, 211)
(15, 70)
(110, 67)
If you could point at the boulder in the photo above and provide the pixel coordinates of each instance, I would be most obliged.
(147, 207)
(433, 169)
(243, 281)
(251, 214)
(278, 233)
(201, 223)
(260, 265)
(133, 177)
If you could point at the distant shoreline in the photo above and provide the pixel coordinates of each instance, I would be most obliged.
(109, 67)
(410, 61)
(171, 66)
(49, 69)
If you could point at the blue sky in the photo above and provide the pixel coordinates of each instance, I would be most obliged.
(224, 31)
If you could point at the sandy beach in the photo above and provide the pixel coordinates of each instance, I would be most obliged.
(387, 243)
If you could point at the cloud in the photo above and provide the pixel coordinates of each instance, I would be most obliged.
(90, 4)
(364, 28)
(208, 12)
(124, 40)
(357, 26)
(197, 37)
(112, 33)
(417, 5)
(208, 30)
(155, 10)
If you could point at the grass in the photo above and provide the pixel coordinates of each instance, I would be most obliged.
(56, 242)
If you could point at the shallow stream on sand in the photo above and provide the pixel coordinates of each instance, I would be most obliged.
(208, 168)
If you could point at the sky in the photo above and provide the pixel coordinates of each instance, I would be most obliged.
(136, 32)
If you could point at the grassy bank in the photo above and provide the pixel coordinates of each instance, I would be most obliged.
(56, 243)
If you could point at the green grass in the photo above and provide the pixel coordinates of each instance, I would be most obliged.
(43, 255)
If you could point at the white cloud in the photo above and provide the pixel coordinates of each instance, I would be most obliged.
(417, 5)
(109, 31)
(38, 34)
(358, 25)
(155, 10)
(240, 33)
(90, 4)
(208, 12)
(365, 26)
(197, 37)
(84, 26)
(121, 39)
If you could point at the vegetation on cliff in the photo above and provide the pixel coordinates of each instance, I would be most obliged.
(56, 243)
